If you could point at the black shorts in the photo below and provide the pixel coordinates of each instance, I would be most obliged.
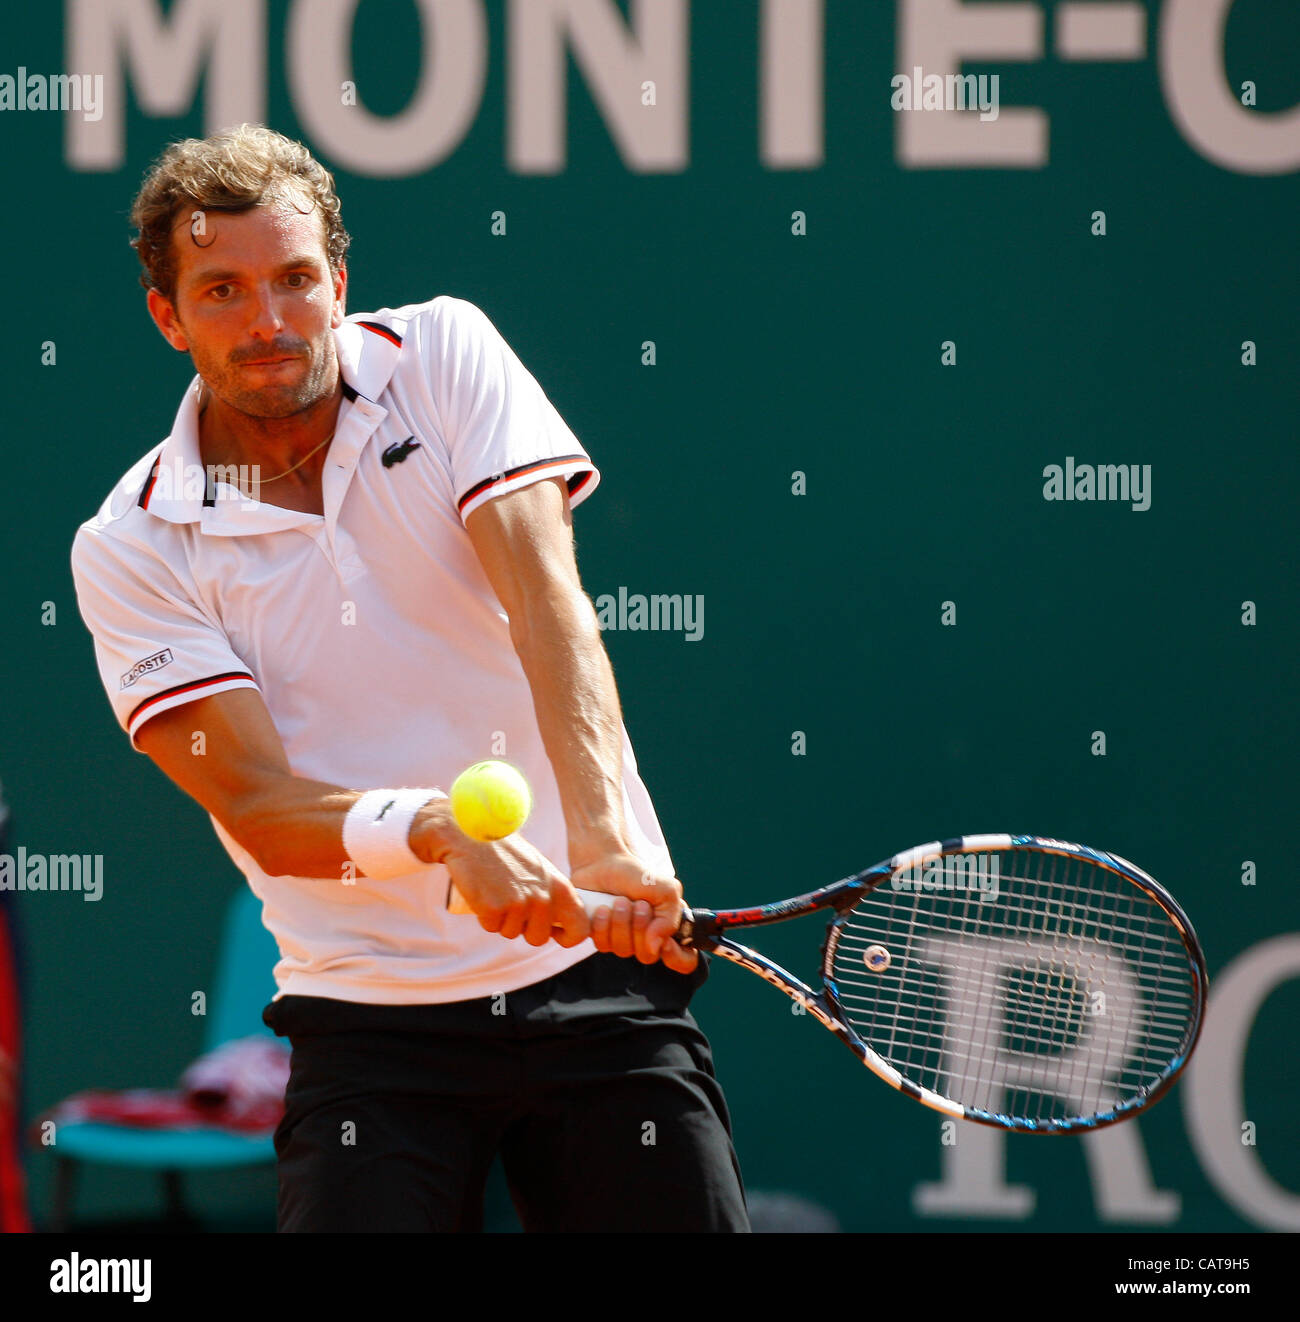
(595, 1088)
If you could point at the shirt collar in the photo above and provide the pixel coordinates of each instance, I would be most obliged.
(368, 348)
(177, 489)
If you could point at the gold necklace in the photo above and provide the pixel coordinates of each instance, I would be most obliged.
(261, 481)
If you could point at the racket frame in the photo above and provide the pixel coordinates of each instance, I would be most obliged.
(706, 930)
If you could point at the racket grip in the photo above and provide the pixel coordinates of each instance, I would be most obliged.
(590, 900)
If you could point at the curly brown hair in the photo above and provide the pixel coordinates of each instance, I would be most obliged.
(233, 171)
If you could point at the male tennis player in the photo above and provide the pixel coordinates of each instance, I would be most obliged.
(346, 574)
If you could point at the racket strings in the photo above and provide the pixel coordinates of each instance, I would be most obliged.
(1018, 982)
(922, 1027)
(1051, 1036)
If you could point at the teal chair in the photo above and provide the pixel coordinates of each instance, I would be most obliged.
(244, 985)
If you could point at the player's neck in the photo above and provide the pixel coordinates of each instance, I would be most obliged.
(266, 447)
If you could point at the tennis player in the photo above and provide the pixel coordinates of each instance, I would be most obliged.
(345, 575)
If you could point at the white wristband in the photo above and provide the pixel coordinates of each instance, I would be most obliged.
(376, 831)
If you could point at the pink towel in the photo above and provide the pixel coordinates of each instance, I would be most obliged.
(243, 1078)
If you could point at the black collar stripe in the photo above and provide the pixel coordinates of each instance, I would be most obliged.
(380, 329)
(147, 490)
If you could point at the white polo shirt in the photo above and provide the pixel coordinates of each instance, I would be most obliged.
(372, 633)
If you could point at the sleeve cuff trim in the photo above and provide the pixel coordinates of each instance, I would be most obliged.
(558, 464)
(150, 706)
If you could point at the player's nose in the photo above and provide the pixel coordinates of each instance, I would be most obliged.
(266, 319)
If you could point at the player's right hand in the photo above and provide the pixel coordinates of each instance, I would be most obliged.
(515, 891)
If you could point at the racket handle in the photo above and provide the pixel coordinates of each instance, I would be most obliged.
(590, 900)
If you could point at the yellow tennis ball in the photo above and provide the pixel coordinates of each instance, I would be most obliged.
(490, 800)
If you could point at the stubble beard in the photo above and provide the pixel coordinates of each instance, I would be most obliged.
(281, 400)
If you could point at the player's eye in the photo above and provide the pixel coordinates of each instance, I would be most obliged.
(297, 279)
(221, 292)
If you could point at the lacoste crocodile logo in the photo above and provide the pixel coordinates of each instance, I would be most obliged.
(398, 451)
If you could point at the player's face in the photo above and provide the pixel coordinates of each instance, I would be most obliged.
(255, 303)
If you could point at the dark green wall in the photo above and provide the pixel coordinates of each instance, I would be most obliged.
(776, 354)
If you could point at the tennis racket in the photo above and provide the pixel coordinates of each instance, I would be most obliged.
(1012, 980)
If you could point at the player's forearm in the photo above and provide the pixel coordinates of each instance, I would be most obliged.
(577, 708)
(294, 827)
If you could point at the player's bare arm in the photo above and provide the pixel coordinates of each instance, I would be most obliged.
(524, 541)
(293, 826)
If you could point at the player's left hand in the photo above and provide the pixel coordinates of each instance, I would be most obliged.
(644, 911)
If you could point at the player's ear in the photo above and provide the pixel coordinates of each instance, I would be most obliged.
(163, 312)
(340, 296)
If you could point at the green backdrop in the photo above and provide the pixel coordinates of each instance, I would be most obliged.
(777, 354)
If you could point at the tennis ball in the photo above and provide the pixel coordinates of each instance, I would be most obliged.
(490, 800)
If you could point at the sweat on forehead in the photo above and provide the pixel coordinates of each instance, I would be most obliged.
(202, 222)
